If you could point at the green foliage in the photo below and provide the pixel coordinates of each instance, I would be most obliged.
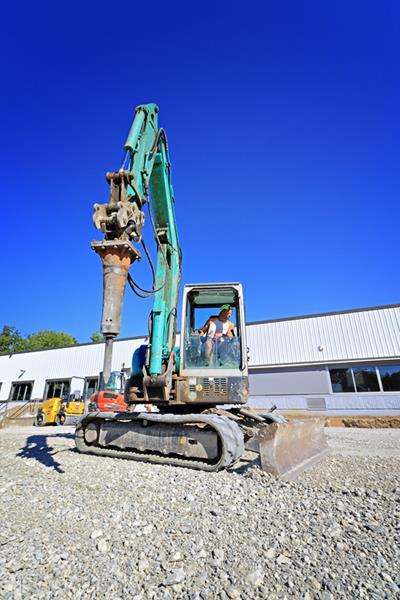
(48, 339)
(96, 337)
(11, 340)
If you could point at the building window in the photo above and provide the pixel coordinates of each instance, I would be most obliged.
(390, 377)
(21, 392)
(366, 379)
(342, 380)
(58, 389)
(375, 378)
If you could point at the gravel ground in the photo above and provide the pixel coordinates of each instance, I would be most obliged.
(76, 526)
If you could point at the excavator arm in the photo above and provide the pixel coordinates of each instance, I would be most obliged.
(144, 179)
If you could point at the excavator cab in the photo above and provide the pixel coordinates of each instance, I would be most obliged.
(213, 360)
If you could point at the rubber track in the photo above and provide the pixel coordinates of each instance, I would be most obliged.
(232, 443)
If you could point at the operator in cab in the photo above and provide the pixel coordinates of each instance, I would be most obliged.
(216, 328)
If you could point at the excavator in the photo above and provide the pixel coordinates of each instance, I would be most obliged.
(199, 387)
(111, 398)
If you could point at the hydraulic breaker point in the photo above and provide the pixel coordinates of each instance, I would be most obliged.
(116, 258)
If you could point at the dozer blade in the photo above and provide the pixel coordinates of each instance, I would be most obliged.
(288, 449)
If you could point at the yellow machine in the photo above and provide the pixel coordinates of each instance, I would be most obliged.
(57, 411)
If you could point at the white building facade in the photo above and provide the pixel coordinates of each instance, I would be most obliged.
(342, 362)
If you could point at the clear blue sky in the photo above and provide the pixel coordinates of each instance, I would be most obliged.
(283, 124)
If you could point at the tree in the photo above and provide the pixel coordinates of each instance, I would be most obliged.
(96, 337)
(10, 340)
(48, 339)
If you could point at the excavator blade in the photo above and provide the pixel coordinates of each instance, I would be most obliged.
(288, 449)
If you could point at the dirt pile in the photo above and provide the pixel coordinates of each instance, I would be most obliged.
(368, 422)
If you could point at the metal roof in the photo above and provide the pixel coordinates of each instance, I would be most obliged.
(326, 314)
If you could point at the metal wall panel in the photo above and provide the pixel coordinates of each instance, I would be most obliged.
(290, 381)
(351, 336)
(350, 403)
(61, 363)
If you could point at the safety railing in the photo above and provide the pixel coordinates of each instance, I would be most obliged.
(3, 409)
(26, 409)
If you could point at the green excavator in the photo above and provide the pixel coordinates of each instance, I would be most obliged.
(198, 387)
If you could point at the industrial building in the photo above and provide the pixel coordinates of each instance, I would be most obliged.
(346, 362)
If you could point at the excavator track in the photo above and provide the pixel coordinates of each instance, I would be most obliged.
(123, 435)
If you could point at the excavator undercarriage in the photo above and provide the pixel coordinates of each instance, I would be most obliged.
(207, 441)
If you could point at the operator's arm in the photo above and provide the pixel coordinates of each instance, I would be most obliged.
(205, 327)
(231, 330)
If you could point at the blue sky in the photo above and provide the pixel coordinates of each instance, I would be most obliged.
(283, 125)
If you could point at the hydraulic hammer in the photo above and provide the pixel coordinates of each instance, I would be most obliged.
(116, 257)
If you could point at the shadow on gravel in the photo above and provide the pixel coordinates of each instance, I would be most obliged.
(244, 465)
(37, 447)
